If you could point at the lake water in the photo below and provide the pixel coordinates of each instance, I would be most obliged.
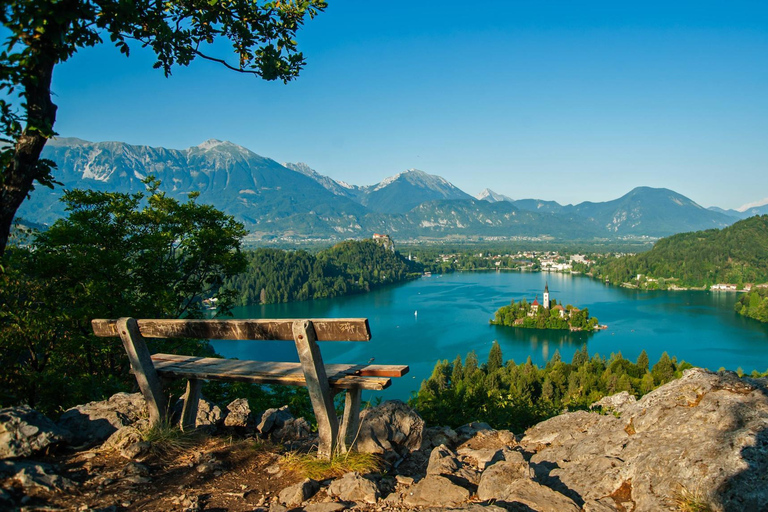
(454, 310)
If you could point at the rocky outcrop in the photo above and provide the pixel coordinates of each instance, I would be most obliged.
(391, 429)
(702, 437)
(24, 432)
(94, 422)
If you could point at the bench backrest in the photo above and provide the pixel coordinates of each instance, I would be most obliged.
(326, 329)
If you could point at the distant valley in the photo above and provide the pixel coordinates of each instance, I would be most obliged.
(294, 202)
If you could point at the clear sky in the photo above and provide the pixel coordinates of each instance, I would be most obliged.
(569, 101)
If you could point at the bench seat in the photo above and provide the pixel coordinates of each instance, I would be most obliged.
(340, 376)
(322, 381)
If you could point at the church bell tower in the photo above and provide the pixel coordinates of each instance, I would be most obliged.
(546, 296)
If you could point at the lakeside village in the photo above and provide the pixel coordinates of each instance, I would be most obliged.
(545, 315)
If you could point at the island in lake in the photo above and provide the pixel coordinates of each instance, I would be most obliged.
(546, 315)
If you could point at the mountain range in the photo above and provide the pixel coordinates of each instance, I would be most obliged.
(294, 201)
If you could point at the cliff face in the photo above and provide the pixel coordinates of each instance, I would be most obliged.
(702, 437)
(697, 443)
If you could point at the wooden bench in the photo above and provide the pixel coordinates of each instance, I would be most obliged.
(322, 381)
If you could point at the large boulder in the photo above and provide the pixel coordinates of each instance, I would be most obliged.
(391, 429)
(435, 491)
(704, 436)
(94, 422)
(24, 431)
(353, 487)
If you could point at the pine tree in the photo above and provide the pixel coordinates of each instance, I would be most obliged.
(642, 361)
(495, 360)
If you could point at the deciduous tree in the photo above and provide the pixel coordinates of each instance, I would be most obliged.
(45, 33)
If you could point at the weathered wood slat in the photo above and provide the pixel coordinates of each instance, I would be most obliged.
(264, 372)
(277, 367)
(143, 368)
(318, 387)
(191, 402)
(350, 422)
(327, 329)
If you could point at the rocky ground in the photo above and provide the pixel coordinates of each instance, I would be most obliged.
(698, 443)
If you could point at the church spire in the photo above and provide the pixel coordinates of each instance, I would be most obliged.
(546, 296)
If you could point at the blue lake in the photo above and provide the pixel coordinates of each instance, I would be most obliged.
(453, 313)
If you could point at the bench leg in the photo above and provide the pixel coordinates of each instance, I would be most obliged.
(143, 369)
(318, 386)
(191, 402)
(350, 423)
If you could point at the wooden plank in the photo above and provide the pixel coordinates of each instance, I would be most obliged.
(350, 422)
(143, 368)
(326, 329)
(362, 370)
(191, 402)
(318, 387)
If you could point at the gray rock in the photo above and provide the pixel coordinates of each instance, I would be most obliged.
(209, 415)
(94, 422)
(324, 507)
(125, 436)
(295, 495)
(353, 487)
(435, 491)
(615, 402)
(391, 429)
(24, 431)
(703, 431)
(442, 461)
(471, 429)
(535, 496)
(32, 476)
(135, 450)
(274, 419)
(404, 480)
(469, 507)
(294, 429)
(496, 480)
(435, 436)
(238, 414)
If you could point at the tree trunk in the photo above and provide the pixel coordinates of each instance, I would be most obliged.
(24, 167)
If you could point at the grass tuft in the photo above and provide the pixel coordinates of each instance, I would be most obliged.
(310, 466)
(687, 500)
(167, 439)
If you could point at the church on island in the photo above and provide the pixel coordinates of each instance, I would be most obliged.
(546, 304)
(547, 314)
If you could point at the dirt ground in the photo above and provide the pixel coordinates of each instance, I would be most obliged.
(215, 474)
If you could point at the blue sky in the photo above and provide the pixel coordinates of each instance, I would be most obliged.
(569, 101)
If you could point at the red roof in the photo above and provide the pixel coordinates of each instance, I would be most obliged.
(535, 302)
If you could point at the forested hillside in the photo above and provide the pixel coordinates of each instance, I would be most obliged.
(274, 275)
(737, 254)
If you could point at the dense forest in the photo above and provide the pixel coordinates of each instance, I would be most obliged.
(737, 254)
(517, 396)
(754, 304)
(274, 275)
(531, 316)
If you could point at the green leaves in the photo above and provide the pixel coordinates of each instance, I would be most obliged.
(114, 255)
